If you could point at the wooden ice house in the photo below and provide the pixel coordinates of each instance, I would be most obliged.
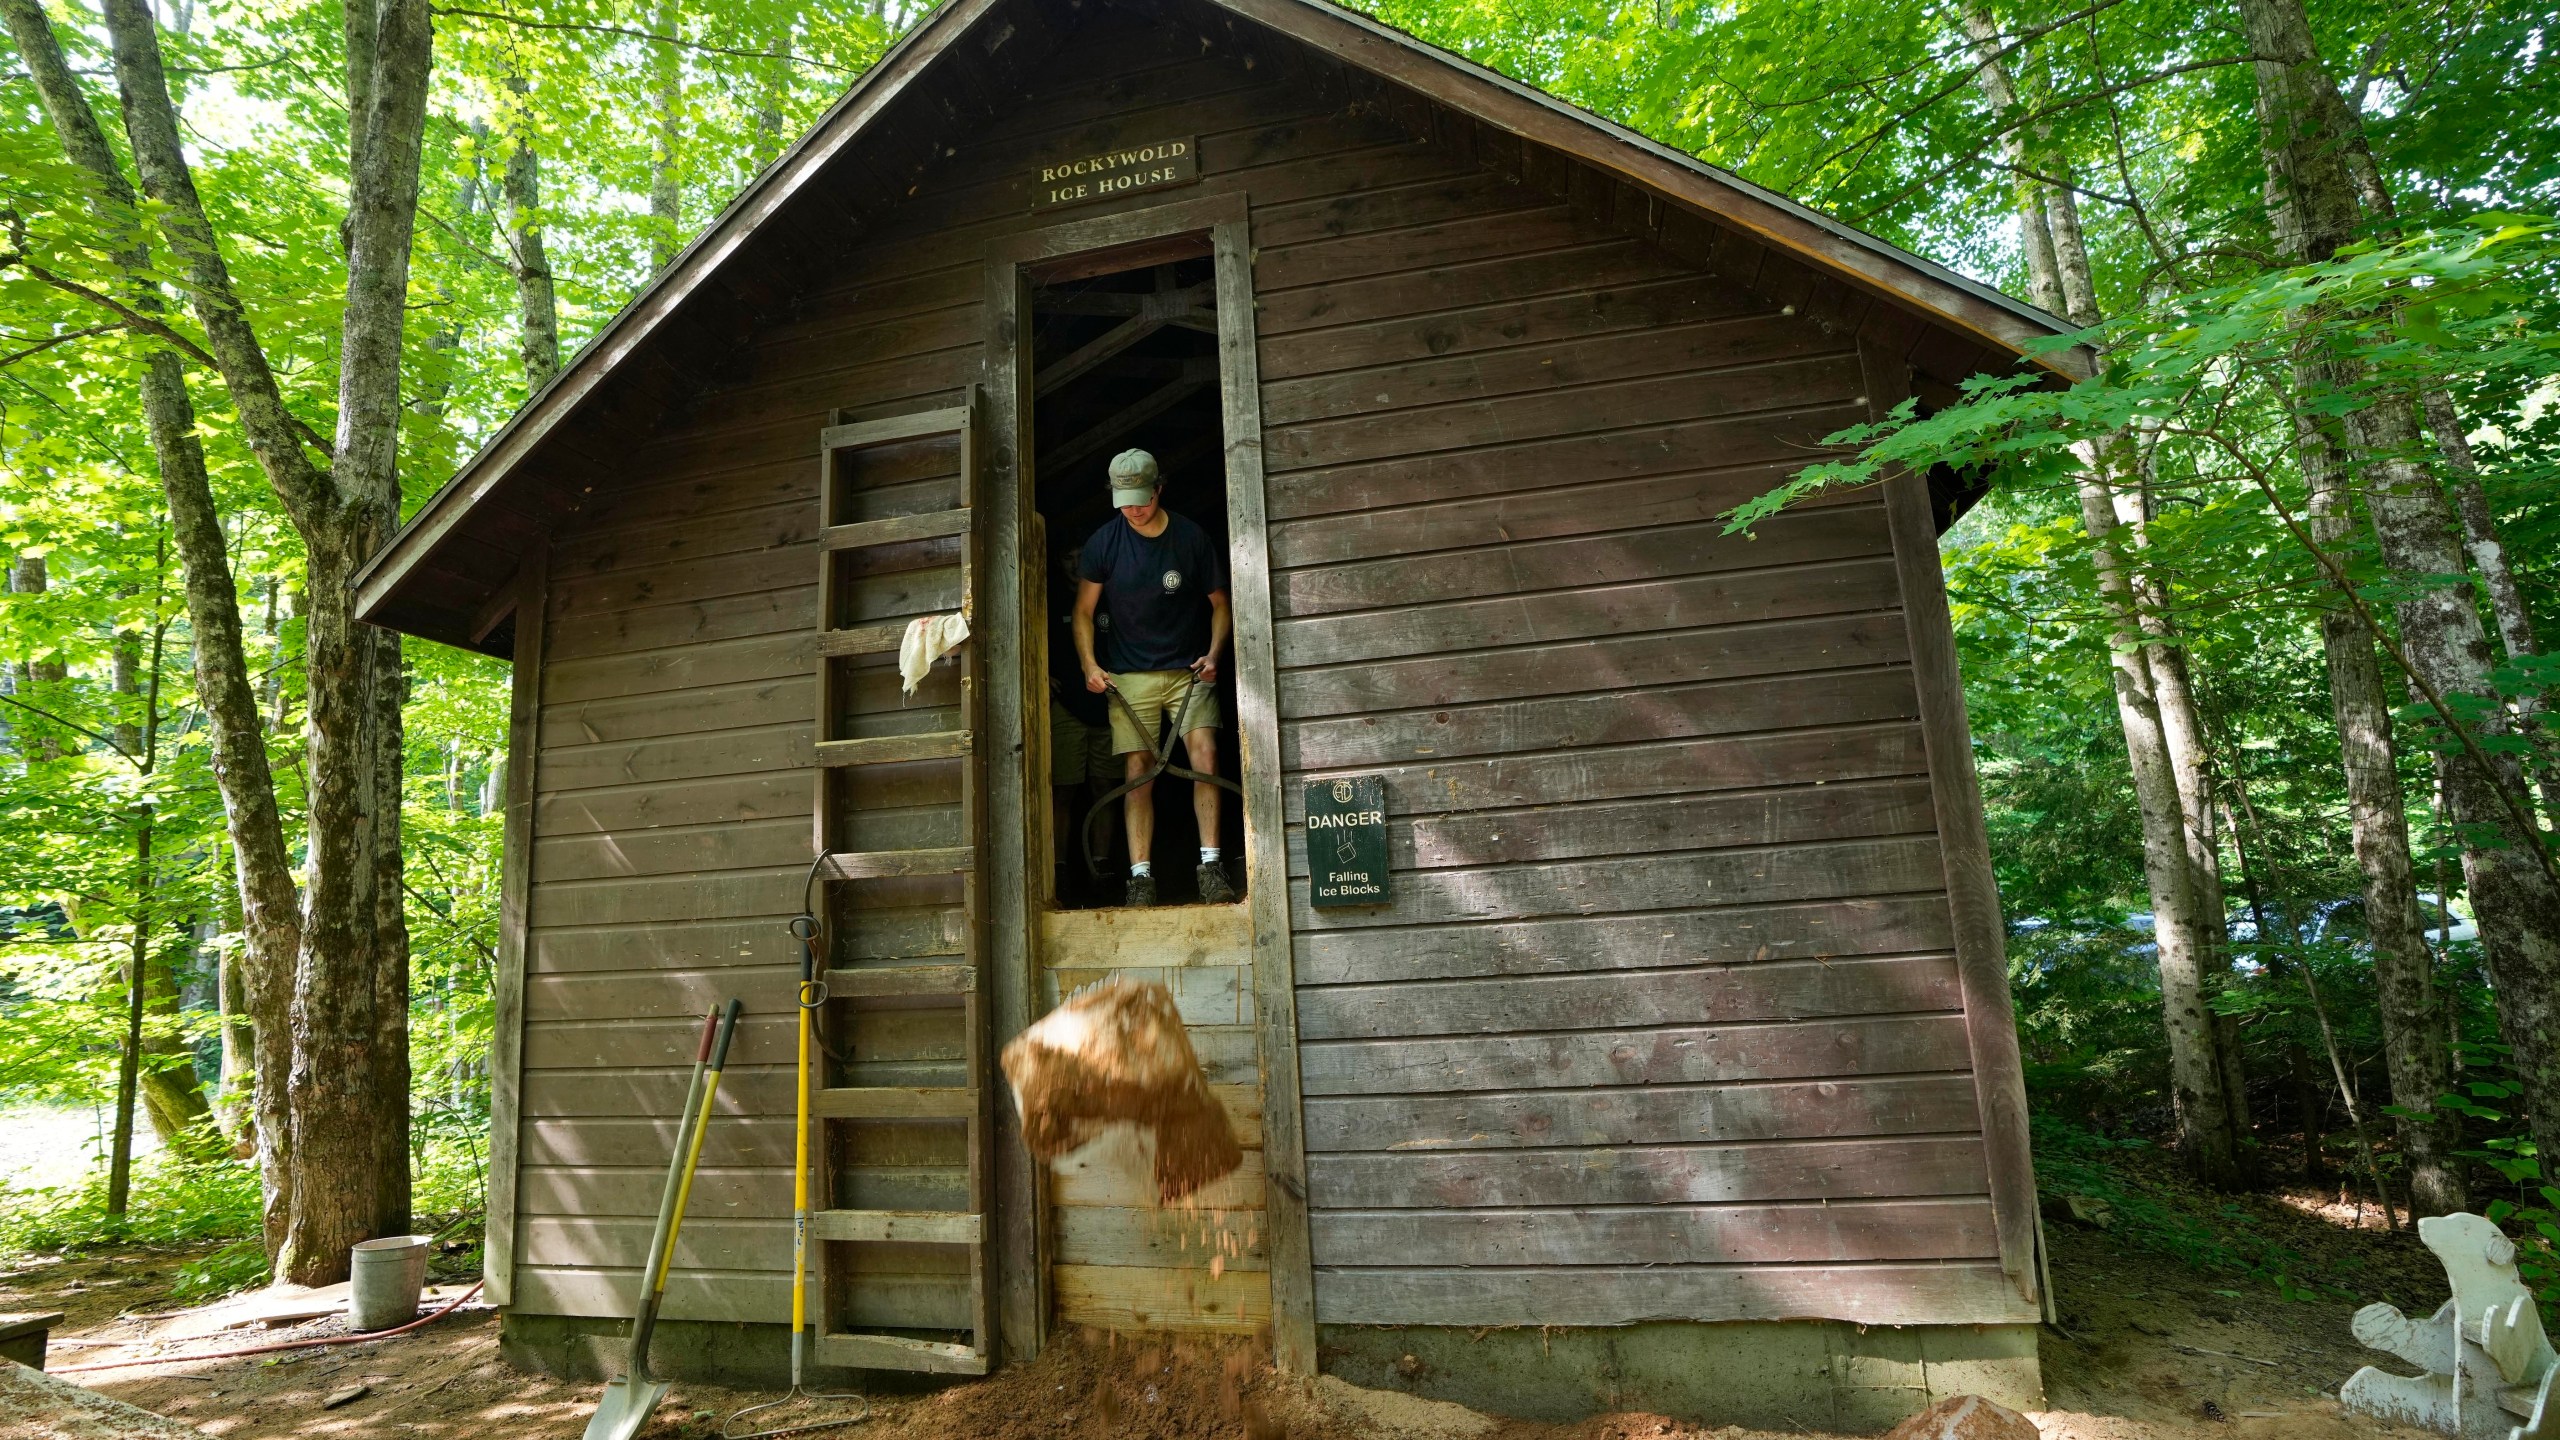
(1675, 1067)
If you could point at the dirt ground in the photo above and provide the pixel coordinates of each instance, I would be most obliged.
(2148, 1350)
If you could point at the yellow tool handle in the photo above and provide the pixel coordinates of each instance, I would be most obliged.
(701, 1127)
(800, 1180)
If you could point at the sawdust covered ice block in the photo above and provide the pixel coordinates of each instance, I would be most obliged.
(1115, 1053)
(1965, 1417)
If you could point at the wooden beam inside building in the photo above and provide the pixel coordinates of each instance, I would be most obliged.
(1197, 375)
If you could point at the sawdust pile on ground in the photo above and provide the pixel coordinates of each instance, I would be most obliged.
(1115, 1053)
(1098, 1385)
(1093, 1385)
(1398, 1414)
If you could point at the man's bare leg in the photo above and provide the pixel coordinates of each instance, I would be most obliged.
(1203, 745)
(1138, 812)
(1215, 887)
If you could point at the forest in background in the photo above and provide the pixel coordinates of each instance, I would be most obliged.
(2184, 551)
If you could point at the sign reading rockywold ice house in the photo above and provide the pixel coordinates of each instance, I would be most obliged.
(1347, 841)
(1126, 170)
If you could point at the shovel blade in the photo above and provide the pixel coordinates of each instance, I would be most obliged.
(627, 1405)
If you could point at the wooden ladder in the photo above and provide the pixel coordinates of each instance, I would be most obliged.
(904, 1114)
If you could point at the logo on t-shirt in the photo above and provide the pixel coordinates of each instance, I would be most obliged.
(1172, 581)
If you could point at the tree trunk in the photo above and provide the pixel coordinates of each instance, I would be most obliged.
(2498, 578)
(2199, 831)
(129, 1053)
(2000, 92)
(2511, 885)
(776, 88)
(172, 1095)
(2153, 703)
(2199, 1080)
(363, 19)
(537, 308)
(2182, 728)
(666, 187)
(391, 927)
(444, 344)
(39, 740)
(238, 1084)
(2313, 204)
(151, 123)
(2310, 1099)
(350, 1024)
(330, 1059)
(2413, 1015)
(165, 1076)
(2462, 487)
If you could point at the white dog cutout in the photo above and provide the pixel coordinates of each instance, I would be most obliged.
(2488, 1363)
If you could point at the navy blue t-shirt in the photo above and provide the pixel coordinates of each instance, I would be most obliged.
(1154, 613)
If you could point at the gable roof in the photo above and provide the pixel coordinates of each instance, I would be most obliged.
(423, 583)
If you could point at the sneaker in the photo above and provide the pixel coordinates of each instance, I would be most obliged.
(1142, 890)
(1214, 889)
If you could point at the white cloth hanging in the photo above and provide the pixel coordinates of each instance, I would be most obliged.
(928, 638)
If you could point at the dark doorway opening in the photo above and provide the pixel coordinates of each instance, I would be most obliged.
(1125, 360)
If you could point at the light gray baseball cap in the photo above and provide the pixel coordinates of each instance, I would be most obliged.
(1133, 478)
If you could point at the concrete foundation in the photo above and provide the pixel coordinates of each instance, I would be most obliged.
(750, 1356)
(1790, 1375)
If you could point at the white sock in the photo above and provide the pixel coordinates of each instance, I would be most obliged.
(1141, 869)
(1208, 854)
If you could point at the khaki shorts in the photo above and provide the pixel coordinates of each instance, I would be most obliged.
(1153, 693)
(1079, 754)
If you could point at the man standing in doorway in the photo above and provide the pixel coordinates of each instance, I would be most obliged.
(1156, 590)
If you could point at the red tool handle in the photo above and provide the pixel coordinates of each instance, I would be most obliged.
(710, 1027)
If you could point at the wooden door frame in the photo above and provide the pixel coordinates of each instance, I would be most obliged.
(1113, 241)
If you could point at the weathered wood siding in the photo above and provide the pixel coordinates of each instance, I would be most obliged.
(1663, 1020)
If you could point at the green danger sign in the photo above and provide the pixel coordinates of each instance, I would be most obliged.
(1347, 842)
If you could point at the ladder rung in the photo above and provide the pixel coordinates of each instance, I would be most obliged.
(922, 1227)
(892, 1352)
(890, 864)
(903, 980)
(894, 1102)
(895, 428)
(886, 749)
(881, 639)
(863, 639)
(931, 525)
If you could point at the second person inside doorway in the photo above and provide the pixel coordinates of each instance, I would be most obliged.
(1151, 628)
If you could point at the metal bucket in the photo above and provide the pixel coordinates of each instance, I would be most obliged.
(387, 1276)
